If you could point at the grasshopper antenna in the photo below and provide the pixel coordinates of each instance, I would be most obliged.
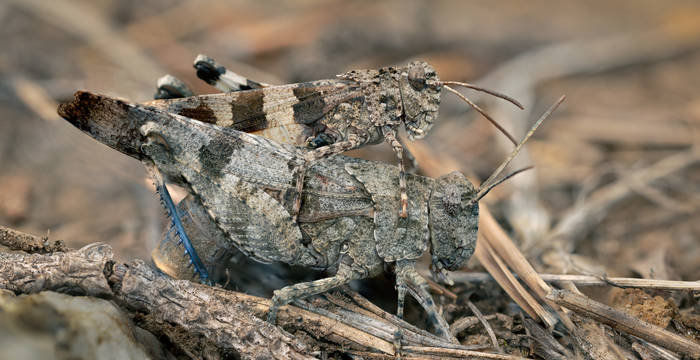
(485, 187)
(480, 110)
(485, 90)
(482, 192)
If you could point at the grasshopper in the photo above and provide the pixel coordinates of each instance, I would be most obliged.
(329, 116)
(347, 224)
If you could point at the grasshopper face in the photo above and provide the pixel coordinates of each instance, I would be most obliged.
(454, 221)
(420, 97)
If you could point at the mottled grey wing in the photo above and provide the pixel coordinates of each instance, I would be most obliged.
(396, 238)
(331, 192)
(221, 168)
(283, 113)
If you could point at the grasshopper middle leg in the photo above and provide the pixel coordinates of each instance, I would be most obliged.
(391, 138)
(352, 142)
(290, 293)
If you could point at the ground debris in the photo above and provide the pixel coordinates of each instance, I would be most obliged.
(652, 309)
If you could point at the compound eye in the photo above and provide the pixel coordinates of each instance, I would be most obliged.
(452, 199)
(416, 77)
(156, 138)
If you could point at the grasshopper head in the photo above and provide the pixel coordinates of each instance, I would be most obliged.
(420, 97)
(454, 221)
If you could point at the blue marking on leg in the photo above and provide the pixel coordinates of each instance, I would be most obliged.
(199, 267)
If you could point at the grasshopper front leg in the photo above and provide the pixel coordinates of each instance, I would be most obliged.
(417, 286)
(409, 156)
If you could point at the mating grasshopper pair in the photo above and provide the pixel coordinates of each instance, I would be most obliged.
(329, 116)
(347, 223)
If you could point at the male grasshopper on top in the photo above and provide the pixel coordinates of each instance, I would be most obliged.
(330, 116)
(347, 224)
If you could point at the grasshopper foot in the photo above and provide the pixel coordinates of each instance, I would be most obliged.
(398, 335)
(407, 275)
(319, 140)
(274, 306)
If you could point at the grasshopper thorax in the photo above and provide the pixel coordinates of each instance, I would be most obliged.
(408, 95)
(419, 89)
(454, 221)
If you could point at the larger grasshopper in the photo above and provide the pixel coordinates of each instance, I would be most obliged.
(329, 116)
(347, 224)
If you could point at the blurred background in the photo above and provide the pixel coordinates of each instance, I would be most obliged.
(621, 151)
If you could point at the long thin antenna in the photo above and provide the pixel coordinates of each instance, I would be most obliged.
(485, 90)
(482, 112)
(520, 145)
(482, 192)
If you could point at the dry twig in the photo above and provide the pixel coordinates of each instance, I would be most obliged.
(588, 280)
(488, 328)
(544, 343)
(16, 240)
(225, 319)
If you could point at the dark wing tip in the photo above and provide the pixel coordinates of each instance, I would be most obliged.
(87, 107)
(78, 111)
(110, 121)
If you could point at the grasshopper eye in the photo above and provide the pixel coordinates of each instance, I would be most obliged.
(156, 138)
(451, 199)
(416, 77)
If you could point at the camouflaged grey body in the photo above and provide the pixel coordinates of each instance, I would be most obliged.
(348, 223)
(240, 177)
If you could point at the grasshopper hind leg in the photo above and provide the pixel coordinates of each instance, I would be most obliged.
(170, 87)
(215, 74)
(177, 226)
